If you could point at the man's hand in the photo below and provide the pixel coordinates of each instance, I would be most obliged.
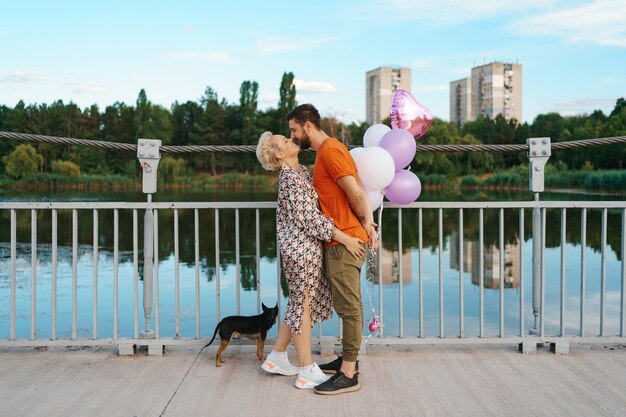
(372, 234)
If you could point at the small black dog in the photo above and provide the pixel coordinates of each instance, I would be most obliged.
(252, 327)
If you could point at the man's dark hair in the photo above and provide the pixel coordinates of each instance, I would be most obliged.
(305, 113)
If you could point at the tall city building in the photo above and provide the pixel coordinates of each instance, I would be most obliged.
(492, 261)
(492, 89)
(380, 83)
(461, 100)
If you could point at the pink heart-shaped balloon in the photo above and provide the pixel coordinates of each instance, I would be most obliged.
(407, 113)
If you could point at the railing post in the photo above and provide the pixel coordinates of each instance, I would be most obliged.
(148, 155)
(538, 154)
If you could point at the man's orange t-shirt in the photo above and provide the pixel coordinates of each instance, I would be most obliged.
(333, 161)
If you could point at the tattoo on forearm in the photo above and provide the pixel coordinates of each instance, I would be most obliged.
(362, 219)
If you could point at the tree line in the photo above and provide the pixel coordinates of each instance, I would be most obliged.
(214, 121)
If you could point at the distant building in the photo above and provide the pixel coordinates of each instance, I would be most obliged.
(492, 259)
(380, 83)
(492, 89)
(461, 100)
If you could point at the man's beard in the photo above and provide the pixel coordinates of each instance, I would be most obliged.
(305, 142)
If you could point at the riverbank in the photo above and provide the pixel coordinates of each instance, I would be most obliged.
(513, 179)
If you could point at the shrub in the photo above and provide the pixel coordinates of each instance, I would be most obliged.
(470, 181)
(23, 162)
(65, 168)
(170, 169)
(506, 179)
(435, 180)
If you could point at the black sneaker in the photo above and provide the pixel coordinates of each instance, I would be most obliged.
(333, 367)
(338, 384)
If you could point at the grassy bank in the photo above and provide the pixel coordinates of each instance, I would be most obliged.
(513, 179)
(614, 181)
(44, 181)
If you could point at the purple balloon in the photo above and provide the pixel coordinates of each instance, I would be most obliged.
(400, 145)
(405, 188)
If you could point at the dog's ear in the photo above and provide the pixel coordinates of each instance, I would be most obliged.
(264, 307)
(276, 308)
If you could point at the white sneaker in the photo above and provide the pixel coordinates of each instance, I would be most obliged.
(310, 378)
(277, 365)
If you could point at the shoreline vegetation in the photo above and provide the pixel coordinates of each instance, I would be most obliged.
(515, 178)
(214, 121)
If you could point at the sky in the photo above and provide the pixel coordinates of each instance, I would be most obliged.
(573, 53)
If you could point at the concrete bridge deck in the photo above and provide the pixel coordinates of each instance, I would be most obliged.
(396, 381)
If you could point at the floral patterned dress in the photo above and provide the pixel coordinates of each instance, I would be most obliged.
(301, 227)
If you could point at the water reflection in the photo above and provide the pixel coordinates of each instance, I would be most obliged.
(219, 256)
(390, 267)
(491, 262)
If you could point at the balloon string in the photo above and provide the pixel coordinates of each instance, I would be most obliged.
(375, 326)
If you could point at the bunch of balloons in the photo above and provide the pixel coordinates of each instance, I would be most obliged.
(386, 152)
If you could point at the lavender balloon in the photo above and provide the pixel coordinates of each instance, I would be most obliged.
(400, 145)
(405, 188)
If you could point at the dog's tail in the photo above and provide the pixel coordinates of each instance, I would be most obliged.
(214, 334)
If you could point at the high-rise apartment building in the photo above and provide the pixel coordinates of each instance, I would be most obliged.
(461, 100)
(380, 83)
(492, 89)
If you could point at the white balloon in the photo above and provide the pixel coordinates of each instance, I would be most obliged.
(356, 153)
(374, 134)
(376, 197)
(376, 168)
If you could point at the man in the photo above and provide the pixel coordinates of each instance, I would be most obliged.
(343, 199)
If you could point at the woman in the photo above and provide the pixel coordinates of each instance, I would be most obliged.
(300, 226)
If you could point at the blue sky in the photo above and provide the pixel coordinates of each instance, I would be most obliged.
(573, 52)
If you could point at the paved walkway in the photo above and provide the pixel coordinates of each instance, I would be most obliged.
(396, 381)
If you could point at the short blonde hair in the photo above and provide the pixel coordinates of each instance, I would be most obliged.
(266, 152)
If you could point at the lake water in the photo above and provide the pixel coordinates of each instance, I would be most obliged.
(270, 291)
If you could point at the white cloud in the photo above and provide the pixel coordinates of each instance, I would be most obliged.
(602, 22)
(449, 12)
(90, 89)
(314, 86)
(3, 33)
(272, 46)
(423, 62)
(607, 81)
(215, 56)
(425, 88)
(83, 88)
(450, 62)
(188, 29)
(269, 98)
(578, 107)
(23, 77)
(70, 81)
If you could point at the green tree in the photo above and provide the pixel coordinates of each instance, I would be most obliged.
(287, 100)
(152, 121)
(184, 117)
(23, 162)
(209, 128)
(620, 105)
(5, 146)
(248, 102)
(117, 125)
(356, 131)
(170, 169)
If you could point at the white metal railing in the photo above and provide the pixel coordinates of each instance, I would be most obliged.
(154, 318)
